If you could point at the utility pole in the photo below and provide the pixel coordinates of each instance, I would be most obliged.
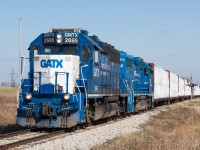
(20, 49)
(13, 77)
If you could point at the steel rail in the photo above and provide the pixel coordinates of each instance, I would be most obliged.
(11, 134)
(29, 140)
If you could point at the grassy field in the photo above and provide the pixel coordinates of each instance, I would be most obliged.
(8, 109)
(8, 91)
(8, 94)
(177, 129)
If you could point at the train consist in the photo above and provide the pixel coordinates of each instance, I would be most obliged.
(76, 79)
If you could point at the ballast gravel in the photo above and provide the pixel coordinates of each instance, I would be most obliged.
(95, 135)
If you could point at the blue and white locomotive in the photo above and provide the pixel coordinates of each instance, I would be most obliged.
(76, 79)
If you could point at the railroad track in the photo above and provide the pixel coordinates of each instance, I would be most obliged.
(52, 133)
(33, 139)
(11, 134)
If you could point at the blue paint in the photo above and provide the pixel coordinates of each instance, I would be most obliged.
(106, 72)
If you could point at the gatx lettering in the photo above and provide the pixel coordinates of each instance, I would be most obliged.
(71, 34)
(51, 63)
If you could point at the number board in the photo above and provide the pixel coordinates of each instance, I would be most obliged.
(49, 38)
(71, 38)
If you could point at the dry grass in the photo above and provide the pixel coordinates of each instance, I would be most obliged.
(7, 109)
(8, 94)
(8, 91)
(178, 128)
(8, 112)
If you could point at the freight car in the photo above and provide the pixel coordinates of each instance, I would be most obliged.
(76, 79)
(169, 87)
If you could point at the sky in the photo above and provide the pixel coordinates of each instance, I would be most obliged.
(166, 33)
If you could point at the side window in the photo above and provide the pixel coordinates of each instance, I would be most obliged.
(128, 62)
(146, 71)
(36, 50)
(96, 55)
(85, 53)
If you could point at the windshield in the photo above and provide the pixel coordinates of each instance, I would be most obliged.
(70, 50)
(59, 50)
(52, 50)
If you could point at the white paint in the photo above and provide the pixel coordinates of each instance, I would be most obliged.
(173, 85)
(161, 83)
(70, 65)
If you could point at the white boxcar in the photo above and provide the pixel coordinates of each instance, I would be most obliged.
(187, 89)
(181, 87)
(173, 85)
(196, 91)
(161, 83)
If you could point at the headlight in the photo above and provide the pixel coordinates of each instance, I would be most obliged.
(59, 41)
(28, 96)
(59, 38)
(35, 88)
(66, 97)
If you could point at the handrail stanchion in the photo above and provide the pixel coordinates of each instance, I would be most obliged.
(40, 78)
(67, 77)
(56, 73)
(29, 81)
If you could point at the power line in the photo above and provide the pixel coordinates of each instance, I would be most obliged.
(7, 43)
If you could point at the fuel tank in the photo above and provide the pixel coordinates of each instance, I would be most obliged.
(105, 110)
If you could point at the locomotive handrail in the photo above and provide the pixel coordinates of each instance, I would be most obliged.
(40, 76)
(48, 77)
(20, 88)
(132, 84)
(56, 75)
(56, 80)
(127, 85)
(84, 84)
(79, 94)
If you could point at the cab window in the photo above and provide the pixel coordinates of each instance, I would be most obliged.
(36, 50)
(146, 71)
(85, 53)
(52, 50)
(70, 50)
